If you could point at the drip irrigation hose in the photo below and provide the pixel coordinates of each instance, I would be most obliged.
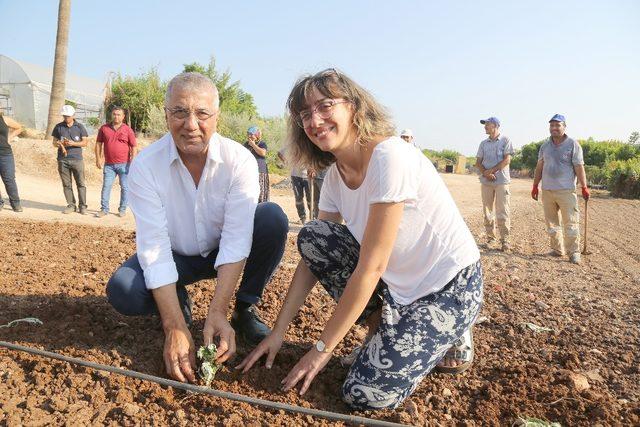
(352, 419)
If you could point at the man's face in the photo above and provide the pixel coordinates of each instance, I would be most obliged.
(190, 134)
(407, 138)
(557, 128)
(252, 137)
(117, 116)
(68, 119)
(490, 127)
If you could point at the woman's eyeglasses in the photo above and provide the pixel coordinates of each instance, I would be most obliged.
(324, 109)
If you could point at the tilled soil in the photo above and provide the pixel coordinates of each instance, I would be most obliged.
(586, 371)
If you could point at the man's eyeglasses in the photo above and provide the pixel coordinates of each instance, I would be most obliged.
(324, 109)
(182, 114)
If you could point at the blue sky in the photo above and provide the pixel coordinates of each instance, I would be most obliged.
(438, 66)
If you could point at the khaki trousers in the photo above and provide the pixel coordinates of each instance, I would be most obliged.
(496, 209)
(566, 202)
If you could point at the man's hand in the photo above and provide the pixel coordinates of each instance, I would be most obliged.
(179, 354)
(307, 368)
(534, 192)
(489, 175)
(217, 325)
(62, 148)
(585, 193)
(98, 164)
(269, 346)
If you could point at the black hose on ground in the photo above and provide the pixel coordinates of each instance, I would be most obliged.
(352, 419)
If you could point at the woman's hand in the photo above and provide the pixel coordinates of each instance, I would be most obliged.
(269, 346)
(306, 369)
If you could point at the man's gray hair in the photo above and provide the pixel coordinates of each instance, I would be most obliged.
(193, 81)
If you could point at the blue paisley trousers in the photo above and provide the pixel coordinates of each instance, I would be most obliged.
(411, 338)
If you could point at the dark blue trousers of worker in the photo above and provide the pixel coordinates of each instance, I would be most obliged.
(8, 174)
(128, 294)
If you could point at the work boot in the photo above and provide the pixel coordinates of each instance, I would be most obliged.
(17, 207)
(122, 214)
(82, 211)
(489, 243)
(69, 209)
(101, 213)
(575, 258)
(506, 247)
(555, 253)
(248, 325)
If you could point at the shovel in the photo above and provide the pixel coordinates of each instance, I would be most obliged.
(586, 251)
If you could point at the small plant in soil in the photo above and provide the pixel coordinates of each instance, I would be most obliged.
(208, 365)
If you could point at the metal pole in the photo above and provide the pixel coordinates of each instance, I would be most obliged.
(204, 390)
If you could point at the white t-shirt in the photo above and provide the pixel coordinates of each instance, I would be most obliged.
(433, 242)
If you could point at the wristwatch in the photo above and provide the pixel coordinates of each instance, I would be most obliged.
(322, 347)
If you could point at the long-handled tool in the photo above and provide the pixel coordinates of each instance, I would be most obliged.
(585, 251)
(312, 207)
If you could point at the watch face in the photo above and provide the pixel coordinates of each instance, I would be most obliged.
(320, 346)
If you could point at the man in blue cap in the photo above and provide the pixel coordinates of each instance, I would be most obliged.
(493, 158)
(560, 162)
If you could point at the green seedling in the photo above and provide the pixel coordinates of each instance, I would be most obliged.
(208, 364)
(535, 328)
(534, 422)
(33, 320)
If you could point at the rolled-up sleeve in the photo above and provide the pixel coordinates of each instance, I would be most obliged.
(239, 212)
(153, 245)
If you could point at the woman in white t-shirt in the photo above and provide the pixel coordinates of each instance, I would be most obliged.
(404, 262)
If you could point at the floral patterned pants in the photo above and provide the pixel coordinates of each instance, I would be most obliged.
(411, 338)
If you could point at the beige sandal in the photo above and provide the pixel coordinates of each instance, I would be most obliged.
(462, 351)
(349, 359)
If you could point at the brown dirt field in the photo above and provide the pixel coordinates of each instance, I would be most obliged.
(56, 271)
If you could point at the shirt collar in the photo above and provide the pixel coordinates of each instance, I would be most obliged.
(493, 140)
(213, 153)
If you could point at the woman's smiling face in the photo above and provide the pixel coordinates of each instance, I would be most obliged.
(328, 122)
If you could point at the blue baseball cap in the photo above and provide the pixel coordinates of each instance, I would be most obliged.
(253, 130)
(493, 120)
(557, 118)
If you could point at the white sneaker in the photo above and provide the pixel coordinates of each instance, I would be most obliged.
(575, 258)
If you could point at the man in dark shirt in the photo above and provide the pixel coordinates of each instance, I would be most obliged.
(258, 148)
(69, 136)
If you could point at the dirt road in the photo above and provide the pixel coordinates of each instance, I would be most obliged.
(584, 371)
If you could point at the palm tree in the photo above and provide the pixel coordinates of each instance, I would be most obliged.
(59, 65)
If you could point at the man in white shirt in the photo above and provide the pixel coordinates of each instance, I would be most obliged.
(194, 196)
(407, 136)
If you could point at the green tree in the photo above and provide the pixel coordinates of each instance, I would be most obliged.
(529, 154)
(138, 95)
(634, 138)
(232, 98)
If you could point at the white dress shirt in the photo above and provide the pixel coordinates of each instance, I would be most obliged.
(173, 214)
